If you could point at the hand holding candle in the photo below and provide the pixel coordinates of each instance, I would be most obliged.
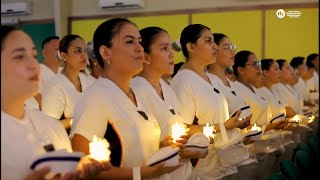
(99, 149)
(177, 131)
(209, 131)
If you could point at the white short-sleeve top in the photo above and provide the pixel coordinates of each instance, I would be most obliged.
(137, 130)
(288, 96)
(199, 99)
(234, 98)
(166, 112)
(273, 100)
(163, 110)
(206, 103)
(259, 108)
(60, 96)
(22, 140)
(45, 75)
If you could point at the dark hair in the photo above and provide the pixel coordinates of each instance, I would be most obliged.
(240, 60)
(104, 33)
(296, 61)
(191, 34)
(266, 63)
(310, 58)
(148, 36)
(65, 42)
(217, 37)
(5, 31)
(48, 39)
(281, 63)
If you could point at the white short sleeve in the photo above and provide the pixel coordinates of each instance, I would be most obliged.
(90, 117)
(53, 101)
(184, 94)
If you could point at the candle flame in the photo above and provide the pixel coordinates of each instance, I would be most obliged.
(311, 119)
(296, 118)
(177, 131)
(99, 149)
(255, 127)
(209, 131)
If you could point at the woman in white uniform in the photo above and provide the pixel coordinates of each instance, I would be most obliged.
(305, 75)
(111, 109)
(248, 73)
(216, 73)
(272, 71)
(156, 94)
(63, 91)
(305, 72)
(26, 134)
(200, 99)
(288, 96)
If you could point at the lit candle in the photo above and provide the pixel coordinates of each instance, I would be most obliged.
(295, 118)
(311, 119)
(209, 131)
(99, 149)
(255, 127)
(177, 131)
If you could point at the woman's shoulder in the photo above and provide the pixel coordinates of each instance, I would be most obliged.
(184, 73)
(184, 76)
(238, 85)
(138, 82)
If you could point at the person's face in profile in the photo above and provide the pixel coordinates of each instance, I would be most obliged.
(126, 54)
(252, 68)
(225, 56)
(161, 55)
(205, 48)
(50, 50)
(286, 72)
(273, 74)
(76, 57)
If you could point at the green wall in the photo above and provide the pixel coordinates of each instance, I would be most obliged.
(38, 33)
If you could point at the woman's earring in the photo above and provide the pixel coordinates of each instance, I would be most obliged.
(108, 61)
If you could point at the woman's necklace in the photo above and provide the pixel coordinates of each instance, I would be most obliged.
(76, 83)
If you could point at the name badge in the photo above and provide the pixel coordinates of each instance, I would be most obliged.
(48, 147)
